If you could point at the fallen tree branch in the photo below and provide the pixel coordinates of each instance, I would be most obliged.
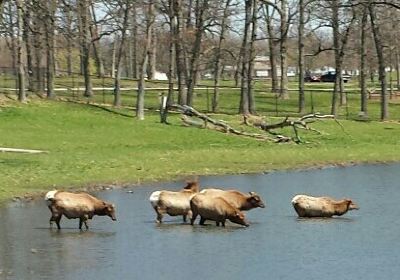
(301, 123)
(219, 125)
(189, 115)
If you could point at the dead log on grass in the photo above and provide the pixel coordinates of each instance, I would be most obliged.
(300, 123)
(189, 115)
(218, 125)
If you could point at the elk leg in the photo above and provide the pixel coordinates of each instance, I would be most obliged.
(159, 214)
(52, 219)
(202, 221)
(193, 218)
(57, 220)
(86, 222)
(83, 220)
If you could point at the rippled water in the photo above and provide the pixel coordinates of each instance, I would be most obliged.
(363, 244)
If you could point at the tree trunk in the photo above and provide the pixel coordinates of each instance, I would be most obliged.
(28, 37)
(250, 93)
(302, 101)
(144, 62)
(218, 56)
(20, 62)
(272, 52)
(180, 61)
(244, 98)
(51, 8)
(283, 46)
(171, 62)
(94, 32)
(117, 80)
(381, 61)
(69, 18)
(85, 41)
(151, 69)
(134, 42)
(201, 9)
(339, 45)
(363, 66)
(113, 56)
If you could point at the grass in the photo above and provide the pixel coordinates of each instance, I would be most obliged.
(90, 146)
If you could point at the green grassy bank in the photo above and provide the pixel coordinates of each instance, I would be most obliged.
(89, 146)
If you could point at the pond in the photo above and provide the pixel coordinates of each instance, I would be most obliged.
(362, 244)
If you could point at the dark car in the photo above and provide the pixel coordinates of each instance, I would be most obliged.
(310, 77)
(331, 76)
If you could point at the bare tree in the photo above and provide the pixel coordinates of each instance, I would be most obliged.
(125, 11)
(363, 57)
(218, 54)
(201, 10)
(20, 62)
(286, 17)
(244, 107)
(272, 47)
(50, 29)
(381, 60)
(144, 62)
(94, 32)
(302, 101)
(85, 42)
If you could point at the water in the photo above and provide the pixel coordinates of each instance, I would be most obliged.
(362, 244)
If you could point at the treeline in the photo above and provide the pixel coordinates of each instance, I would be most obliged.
(186, 39)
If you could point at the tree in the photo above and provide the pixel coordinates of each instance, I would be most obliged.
(286, 17)
(125, 7)
(218, 54)
(272, 47)
(201, 10)
(50, 61)
(363, 57)
(381, 60)
(20, 62)
(85, 42)
(302, 102)
(94, 32)
(144, 62)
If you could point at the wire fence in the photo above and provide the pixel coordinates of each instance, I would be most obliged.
(71, 86)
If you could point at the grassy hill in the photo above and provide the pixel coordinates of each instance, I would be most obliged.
(90, 146)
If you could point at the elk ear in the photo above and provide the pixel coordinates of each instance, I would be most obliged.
(252, 193)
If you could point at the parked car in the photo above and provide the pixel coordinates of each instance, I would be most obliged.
(331, 76)
(312, 78)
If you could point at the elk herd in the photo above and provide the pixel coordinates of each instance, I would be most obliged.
(209, 204)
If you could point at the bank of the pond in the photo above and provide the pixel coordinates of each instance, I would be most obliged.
(92, 147)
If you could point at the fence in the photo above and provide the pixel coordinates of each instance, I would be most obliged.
(267, 103)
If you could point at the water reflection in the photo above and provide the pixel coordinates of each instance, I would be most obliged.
(278, 245)
(325, 220)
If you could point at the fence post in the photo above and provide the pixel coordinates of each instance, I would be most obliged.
(312, 102)
(163, 108)
(73, 86)
(208, 100)
(347, 105)
(104, 94)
